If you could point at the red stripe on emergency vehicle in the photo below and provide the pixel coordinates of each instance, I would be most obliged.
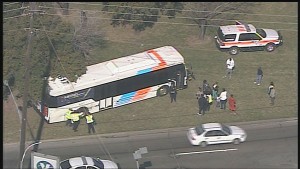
(141, 94)
(237, 43)
(266, 41)
(249, 42)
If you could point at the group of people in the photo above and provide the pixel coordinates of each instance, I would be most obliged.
(230, 65)
(73, 119)
(206, 95)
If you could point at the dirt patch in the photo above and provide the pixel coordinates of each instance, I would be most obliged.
(194, 41)
(11, 121)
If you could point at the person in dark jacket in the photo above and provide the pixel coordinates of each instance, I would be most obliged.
(202, 104)
(199, 92)
(173, 92)
(259, 76)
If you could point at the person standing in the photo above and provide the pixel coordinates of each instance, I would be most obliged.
(173, 92)
(215, 90)
(218, 101)
(202, 104)
(204, 85)
(68, 116)
(209, 101)
(206, 88)
(271, 92)
(199, 92)
(259, 76)
(223, 98)
(76, 120)
(232, 104)
(90, 121)
(230, 66)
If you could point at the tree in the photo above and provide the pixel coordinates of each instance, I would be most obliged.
(140, 15)
(52, 49)
(64, 6)
(203, 12)
(87, 35)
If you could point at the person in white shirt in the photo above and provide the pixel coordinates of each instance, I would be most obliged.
(230, 66)
(223, 98)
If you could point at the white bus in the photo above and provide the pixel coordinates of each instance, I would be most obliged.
(116, 83)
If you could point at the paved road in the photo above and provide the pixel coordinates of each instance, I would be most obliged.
(270, 144)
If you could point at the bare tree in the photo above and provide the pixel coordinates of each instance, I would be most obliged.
(64, 6)
(202, 12)
(87, 35)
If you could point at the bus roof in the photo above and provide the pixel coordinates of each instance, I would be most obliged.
(116, 69)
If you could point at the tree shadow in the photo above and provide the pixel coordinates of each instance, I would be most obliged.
(31, 103)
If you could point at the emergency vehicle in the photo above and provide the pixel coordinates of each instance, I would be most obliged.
(245, 37)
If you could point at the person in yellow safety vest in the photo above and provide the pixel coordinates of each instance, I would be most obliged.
(76, 120)
(209, 101)
(68, 116)
(90, 122)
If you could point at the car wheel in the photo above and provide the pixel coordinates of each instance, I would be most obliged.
(233, 51)
(203, 144)
(270, 47)
(236, 141)
(163, 91)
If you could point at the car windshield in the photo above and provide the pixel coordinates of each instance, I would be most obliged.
(261, 32)
(199, 130)
(226, 129)
(65, 164)
(98, 163)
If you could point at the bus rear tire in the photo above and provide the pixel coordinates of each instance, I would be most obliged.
(162, 91)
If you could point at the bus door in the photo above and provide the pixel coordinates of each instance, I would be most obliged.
(106, 103)
(180, 79)
(106, 91)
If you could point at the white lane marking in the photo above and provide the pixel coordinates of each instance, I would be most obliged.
(210, 151)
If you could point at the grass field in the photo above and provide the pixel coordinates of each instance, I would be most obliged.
(208, 63)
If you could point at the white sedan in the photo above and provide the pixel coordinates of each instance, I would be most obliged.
(87, 163)
(215, 133)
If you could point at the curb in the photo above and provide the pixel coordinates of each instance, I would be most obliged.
(156, 131)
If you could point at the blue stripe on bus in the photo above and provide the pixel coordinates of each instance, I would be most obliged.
(125, 98)
(144, 71)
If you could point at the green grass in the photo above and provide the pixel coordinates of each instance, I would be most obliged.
(208, 63)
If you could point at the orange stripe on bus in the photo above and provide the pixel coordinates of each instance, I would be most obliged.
(162, 63)
(141, 93)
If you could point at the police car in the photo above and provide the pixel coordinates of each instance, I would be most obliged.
(245, 37)
(87, 163)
